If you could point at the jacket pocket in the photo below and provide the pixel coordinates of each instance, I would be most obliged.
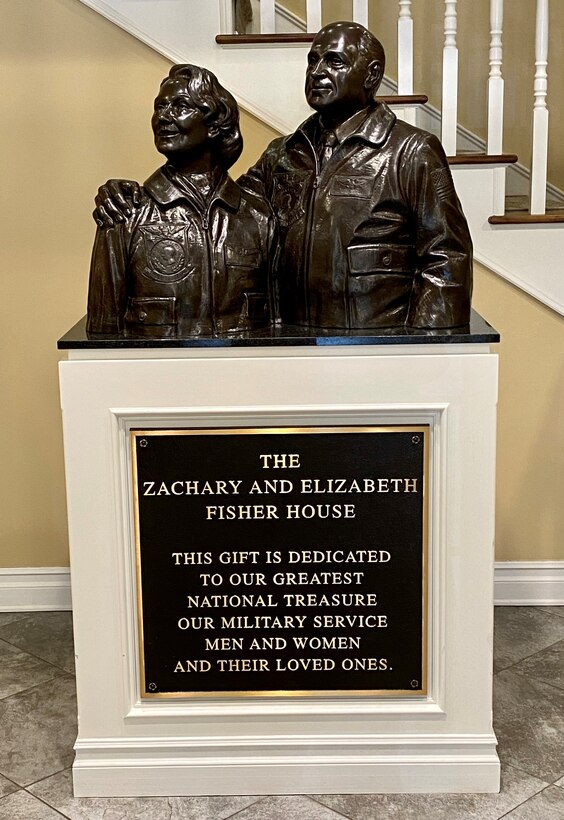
(242, 257)
(353, 185)
(370, 259)
(256, 306)
(151, 310)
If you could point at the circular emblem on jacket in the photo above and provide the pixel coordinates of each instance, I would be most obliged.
(167, 256)
(169, 250)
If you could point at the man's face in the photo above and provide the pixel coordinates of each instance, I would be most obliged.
(178, 125)
(336, 72)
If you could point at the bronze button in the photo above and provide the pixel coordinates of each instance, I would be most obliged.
(387, 259)
(142, 316)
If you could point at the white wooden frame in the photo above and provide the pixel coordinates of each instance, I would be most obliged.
(442, 742)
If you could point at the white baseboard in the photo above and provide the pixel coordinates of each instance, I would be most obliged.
(32, 589)
(517, 583)
(529, 583)
(286, 764)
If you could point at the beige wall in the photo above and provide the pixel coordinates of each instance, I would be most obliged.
(77, 100)
(296, 7)
(530, 453)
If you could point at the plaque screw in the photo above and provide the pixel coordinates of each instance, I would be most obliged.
(414, 684)
(143, 442)
(153, 687)
(415, 439)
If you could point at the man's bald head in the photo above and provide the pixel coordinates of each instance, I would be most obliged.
(345, 68)
(368, 45)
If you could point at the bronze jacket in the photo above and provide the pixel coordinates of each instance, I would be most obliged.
(373, 238)
(179, 266)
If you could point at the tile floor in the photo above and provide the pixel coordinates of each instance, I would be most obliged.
(38, 728)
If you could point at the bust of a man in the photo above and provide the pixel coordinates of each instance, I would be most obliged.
(371, 232)
(192, 256)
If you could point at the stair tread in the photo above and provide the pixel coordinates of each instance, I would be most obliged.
(517, 213)
(265, 39)
(521, 203)
(472, 158)
(519, 218)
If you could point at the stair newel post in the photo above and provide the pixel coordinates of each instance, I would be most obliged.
(405, 55)
(267, 16)
(495, 102)
(540, 113)
(450, 80)
(313, 15)
(360, 12)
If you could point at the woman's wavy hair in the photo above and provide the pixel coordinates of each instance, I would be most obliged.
(218, 106)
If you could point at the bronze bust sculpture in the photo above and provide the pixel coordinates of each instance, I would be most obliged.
(192, 255)
(370, 230)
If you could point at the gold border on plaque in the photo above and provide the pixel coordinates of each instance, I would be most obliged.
(423, 429)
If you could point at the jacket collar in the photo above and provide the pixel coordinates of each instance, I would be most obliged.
(165, 192)
(373, 127)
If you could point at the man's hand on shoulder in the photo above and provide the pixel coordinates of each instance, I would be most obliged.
(115, 201)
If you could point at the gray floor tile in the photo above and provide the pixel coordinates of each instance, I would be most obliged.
(57, 792)
(23, 806)
(19, 671)
(39, 730)
(291, 807)
(39, 726)
(547, 666)
(516, 786)
(45, 634)
(529, 724)
(6, 786)
(554, 610)
(548, 805)
(520, 632)
(9, 617)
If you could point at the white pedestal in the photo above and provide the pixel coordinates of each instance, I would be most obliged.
(442, 742)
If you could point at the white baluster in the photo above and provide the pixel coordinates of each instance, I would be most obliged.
(450, 80)
(267, 16)
(405, 57)
(227, 16)
(360, 12)
(313, 15)
(405, 48)
(495, 102)
(540, 113)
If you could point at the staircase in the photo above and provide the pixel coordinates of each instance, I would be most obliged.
(265, 72)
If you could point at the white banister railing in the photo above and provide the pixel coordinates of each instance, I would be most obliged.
(313, 15)
(540, 113)
(450, 80)
(495, 101)
(360, 12)
(269, 10)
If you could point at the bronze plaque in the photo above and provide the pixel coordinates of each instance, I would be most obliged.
(281, 561)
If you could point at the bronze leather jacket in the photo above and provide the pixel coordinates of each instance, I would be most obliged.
(375, 237)
(180, 266)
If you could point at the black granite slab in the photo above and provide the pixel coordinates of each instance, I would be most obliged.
(477, 332)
